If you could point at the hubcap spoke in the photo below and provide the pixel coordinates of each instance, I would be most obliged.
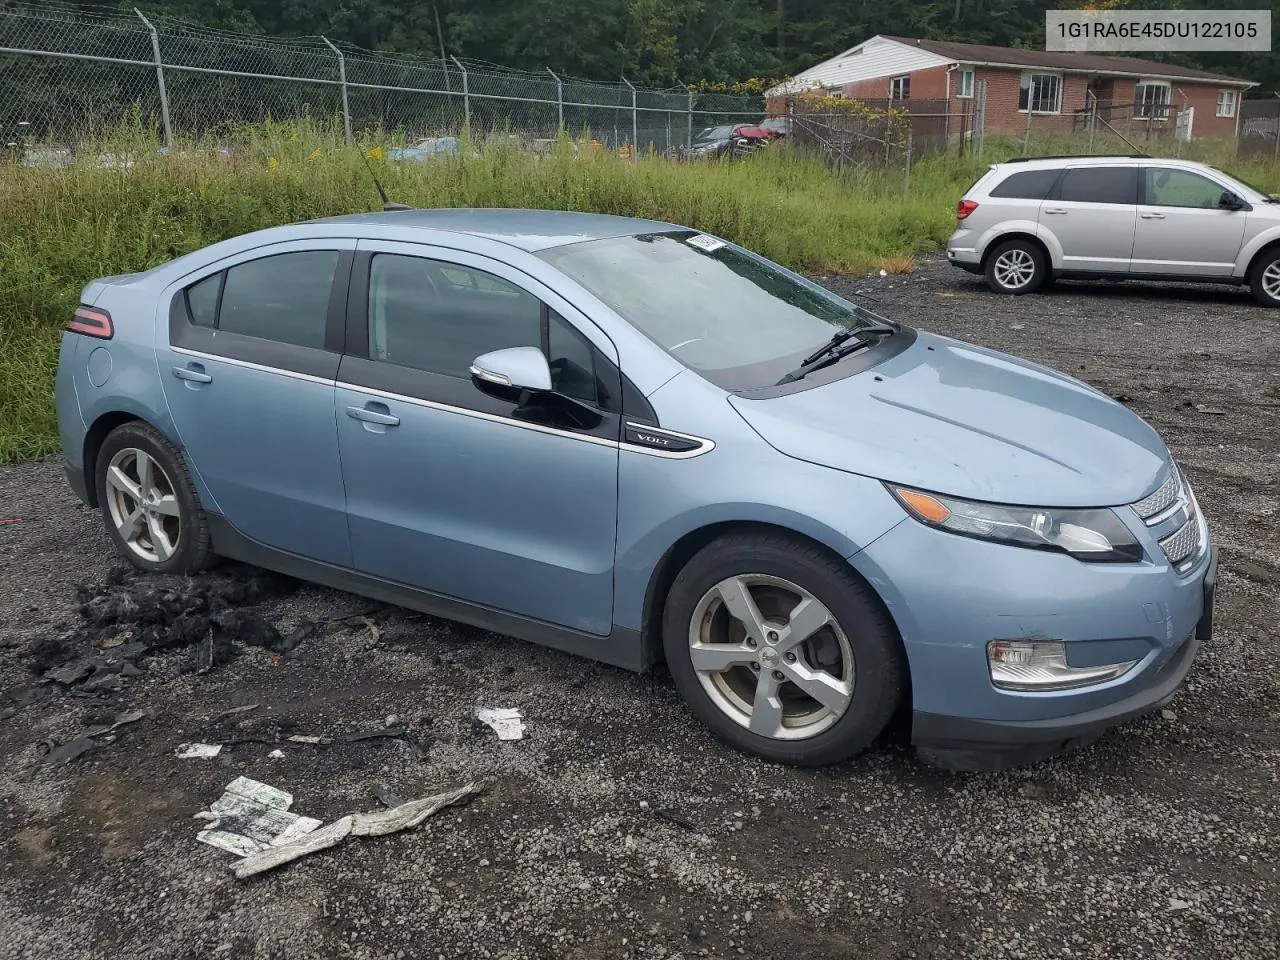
(118, 479)
(718, 657)
(132, 524)
(766, 709)
(821, 686)
(160, 541)
(167, 506)
(738, 601)
(145, 476)
(807, 618)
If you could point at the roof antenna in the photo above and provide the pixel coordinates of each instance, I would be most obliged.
(387, 205)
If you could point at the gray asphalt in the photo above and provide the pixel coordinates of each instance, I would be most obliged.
(617, 827)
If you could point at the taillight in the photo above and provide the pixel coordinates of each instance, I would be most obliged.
(92, 322)
(965, 207)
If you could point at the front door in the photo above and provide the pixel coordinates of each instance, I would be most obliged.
(460, 492)
(1181, 228)
(253, 349)
(1092, 213)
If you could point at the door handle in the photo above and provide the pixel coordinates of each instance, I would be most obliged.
(1151, 216)
(370, 413)
(192, 373)
(1061, 210)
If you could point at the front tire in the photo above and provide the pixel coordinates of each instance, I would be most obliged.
(149, 504)
(781, 650)
(1016, 267)
(1264, 279)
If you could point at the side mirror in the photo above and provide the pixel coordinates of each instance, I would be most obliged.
(516, 368)
(1229, 201)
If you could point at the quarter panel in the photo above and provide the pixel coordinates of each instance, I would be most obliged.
(998, 231)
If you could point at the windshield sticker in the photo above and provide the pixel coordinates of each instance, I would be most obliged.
(703, 242)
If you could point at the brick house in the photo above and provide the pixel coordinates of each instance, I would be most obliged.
(1059, 88)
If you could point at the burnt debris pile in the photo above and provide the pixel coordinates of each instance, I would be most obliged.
(134, 615)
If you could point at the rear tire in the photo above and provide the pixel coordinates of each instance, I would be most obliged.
(1016, 267)
(149, 504)
(757, 623)
(1264, 279)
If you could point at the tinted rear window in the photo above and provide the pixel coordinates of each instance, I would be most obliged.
(1100, 185)
(1027, 185)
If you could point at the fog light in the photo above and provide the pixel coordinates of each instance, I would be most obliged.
(1042, 665)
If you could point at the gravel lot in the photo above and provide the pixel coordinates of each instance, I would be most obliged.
(617, 827)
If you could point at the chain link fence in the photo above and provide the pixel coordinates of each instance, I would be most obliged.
(68, 72)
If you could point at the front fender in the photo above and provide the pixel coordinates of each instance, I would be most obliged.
(658, 508)
(1006, 228)
(1251, 248)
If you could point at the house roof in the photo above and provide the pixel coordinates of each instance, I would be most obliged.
(1072, 62)
(884, 55)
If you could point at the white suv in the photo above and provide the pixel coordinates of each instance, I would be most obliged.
(1029, 221)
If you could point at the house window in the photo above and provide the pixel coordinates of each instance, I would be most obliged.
(1040, 93)
(1151, 100)
(964, 83)
(1226, 103)
(900, 88)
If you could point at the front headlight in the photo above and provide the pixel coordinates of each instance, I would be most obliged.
(1097, 536)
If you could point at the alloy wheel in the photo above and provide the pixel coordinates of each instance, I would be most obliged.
(1271, 280)
(771, 656)
(1014, 269)
(143, 505)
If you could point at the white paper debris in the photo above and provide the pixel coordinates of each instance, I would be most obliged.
(376, 824)
(703, 242)
(252, 816)
(505, 721)
(276, 754)
(190, 751)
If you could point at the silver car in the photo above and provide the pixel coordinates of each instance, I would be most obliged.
(1029, 221)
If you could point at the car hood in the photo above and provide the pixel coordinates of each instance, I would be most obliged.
(961, 420)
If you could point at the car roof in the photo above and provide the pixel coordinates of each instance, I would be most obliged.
(529, 230)
(1042, 163)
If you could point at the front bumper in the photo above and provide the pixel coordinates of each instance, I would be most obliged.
(951, 595)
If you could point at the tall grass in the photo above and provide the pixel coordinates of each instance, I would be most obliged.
(61, 227)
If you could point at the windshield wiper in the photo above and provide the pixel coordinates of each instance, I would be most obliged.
(838, 346)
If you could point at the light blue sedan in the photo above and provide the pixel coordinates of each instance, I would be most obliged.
(638, 442)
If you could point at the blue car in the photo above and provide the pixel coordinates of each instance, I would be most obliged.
(640, 443)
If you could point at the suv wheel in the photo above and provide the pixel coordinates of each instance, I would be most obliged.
(781, 650)
(149, 504)
(1264, 279)
(1017, 267)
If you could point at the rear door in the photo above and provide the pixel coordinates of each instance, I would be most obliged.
(1181, 228)
(1092, 212)
(253, 349)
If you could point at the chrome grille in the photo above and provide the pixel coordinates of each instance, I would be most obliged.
(1162, 499)
(1184, 544)
(1173, 503)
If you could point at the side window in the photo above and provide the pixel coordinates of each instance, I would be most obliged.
(1180, 188)
(202, 301)
(438, 317)
(1100, 185)
(1027, 185)
(284, 298)
(573, 366)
